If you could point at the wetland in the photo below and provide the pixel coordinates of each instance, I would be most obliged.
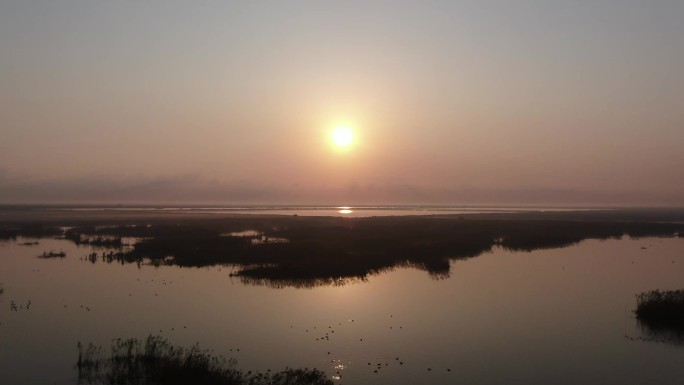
(492, 298)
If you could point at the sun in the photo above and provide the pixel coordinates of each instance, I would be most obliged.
(342, 136)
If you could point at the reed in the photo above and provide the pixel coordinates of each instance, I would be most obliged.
(664, 308)
(329, 249)
(155, 361)
(320, 250)
(52, 254)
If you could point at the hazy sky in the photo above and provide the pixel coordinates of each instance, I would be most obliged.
(451, 101)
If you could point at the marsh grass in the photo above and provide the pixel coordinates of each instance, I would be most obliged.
(660, 315)
(155, 361)
(52, 254)
(325, 250)
(661, 309)
(36, 230)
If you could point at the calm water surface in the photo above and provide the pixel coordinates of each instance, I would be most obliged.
(560, 316)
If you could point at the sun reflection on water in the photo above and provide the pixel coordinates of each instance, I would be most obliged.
(345, 210)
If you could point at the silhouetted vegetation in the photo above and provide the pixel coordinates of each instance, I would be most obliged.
(325, 251)
(333, 250)
(155, 361)
(52, 254)
(661, 309)
(29, 230)
(77, 236)
(661, 316)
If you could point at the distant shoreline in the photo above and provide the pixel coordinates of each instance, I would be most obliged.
(87, 213)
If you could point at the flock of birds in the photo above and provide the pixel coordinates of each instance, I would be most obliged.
(325, 334)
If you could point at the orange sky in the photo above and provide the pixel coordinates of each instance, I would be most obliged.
(450, 102)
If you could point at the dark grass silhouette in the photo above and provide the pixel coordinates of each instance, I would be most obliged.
(660, 314)
(52, 254)
(37, 230)
(155, 361)
(661, 309)
(330, 250)
(327, 250)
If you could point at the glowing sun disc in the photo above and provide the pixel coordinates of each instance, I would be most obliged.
(342, 136)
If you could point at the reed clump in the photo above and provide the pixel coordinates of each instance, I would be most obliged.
(52, 254)
(155, 361)
(661, 309)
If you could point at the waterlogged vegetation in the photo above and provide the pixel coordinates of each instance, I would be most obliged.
(37, 230)
(661, 316)
(52, 254)
(308, 251)
(155, 361)
(661, 309)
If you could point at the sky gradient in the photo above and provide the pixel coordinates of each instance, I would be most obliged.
(470, 102)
